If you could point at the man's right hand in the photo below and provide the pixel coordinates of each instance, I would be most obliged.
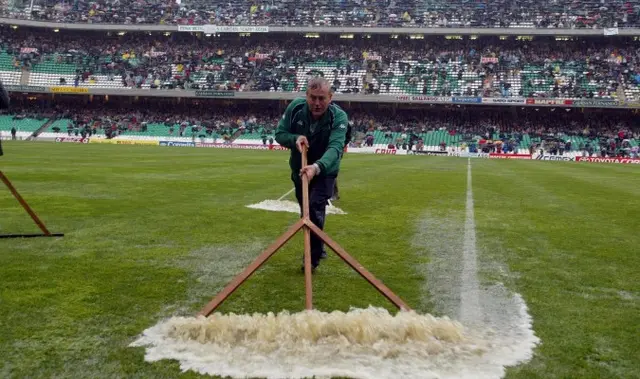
(302, 141)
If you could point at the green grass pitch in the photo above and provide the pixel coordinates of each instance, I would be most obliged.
(153, 232)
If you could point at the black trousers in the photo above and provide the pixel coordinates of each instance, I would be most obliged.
(320, 191)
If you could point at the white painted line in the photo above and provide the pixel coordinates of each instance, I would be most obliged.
(470, 309)
(286, 194)
(493, 315)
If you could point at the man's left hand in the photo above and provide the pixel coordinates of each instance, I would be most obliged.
(310, 171)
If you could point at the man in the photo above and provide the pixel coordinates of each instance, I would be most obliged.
(321, 127)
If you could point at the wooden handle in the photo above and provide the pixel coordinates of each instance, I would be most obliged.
(305, 186)
(304, 156)
(307, 236)
(24, 204)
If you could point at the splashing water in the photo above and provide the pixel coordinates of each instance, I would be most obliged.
(361, 343)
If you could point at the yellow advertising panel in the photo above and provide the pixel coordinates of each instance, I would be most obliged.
(135, 142)
(101, 140)
(69, 89)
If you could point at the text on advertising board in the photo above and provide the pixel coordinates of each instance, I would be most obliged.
(209, 93)
(72, 139)
(22, 88)
(241, 146)
(177, 143)
(102, 140)
(223, 29)
(509, 156)
(424, 99)
(432, 153)
(464, 154)
(609, 160)
(549, 101)
(136, 142)
(554, 158)
(503, 100)
(596, 103)
(467, 100)
(69, 89)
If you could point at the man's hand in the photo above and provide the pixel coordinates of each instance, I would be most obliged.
(302, 141)
(310, 171)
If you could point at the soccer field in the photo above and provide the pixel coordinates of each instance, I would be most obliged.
(155, 232)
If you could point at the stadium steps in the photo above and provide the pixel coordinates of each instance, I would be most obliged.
(41, 129)
(24, 77)
(235, 135)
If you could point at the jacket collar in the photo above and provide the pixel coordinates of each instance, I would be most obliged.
(322, 120)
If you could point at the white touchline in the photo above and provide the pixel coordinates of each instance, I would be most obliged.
(286, 194)
(470, 310)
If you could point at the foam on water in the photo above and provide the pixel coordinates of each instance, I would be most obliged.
(290, 206)
(361, 343)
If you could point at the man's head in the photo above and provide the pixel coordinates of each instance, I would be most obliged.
(318, 96)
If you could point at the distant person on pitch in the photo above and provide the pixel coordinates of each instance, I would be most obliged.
(321, 126)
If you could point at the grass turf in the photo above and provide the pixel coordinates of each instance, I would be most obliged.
(154, 232)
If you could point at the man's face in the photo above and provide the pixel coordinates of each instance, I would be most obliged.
(318, 101)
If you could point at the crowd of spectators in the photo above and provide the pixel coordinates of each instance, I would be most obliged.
(361, 13)
(180, 121)
(489, 129)
(572, 69)
(550, 131)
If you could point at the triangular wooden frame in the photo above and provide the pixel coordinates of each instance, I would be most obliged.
(308, 227)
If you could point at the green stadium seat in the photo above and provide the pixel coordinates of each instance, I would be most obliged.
(24, 125)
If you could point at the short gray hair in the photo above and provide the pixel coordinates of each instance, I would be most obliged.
(318, 83)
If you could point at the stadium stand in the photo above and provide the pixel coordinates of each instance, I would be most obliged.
(376, 65)
(520, 131)
(380, 13)
(486, 67)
